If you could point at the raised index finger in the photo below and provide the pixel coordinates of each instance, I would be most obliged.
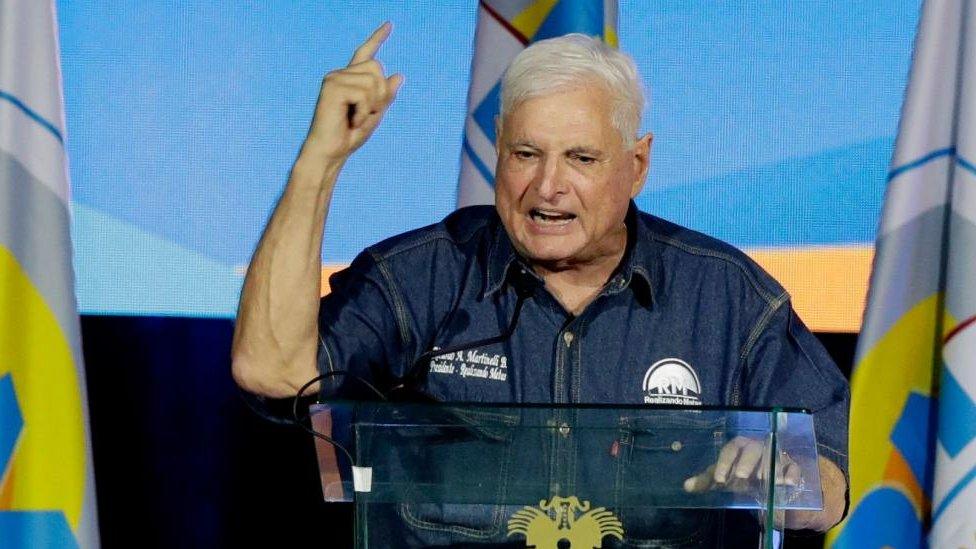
(368, 49)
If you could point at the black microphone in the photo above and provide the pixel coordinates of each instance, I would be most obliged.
(409, 388)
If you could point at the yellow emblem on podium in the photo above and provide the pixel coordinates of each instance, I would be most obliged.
(565, 519)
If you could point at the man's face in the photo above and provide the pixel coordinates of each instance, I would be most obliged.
(564, 180)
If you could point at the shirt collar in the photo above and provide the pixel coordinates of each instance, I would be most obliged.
(641, 258)
(501, 257)
(640, 268)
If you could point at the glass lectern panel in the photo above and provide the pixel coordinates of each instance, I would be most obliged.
(464, 474)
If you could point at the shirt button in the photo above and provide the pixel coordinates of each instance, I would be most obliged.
(676, 446)
(564, 429)
(568, 338)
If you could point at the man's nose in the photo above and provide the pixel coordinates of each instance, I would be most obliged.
(549, 181)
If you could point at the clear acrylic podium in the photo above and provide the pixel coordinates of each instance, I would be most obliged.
(556, 476)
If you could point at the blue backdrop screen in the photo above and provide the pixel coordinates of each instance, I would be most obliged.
(774, 127)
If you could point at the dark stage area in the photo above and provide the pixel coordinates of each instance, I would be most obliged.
(181, 461)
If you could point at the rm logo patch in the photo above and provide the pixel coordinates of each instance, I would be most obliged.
(671, 381)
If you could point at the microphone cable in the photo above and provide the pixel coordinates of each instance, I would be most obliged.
(301, 421)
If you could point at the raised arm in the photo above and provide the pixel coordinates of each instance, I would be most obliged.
(276, 332)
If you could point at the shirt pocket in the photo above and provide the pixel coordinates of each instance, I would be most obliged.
(473, 458)
(662, 454)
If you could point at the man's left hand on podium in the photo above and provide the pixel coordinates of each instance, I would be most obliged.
(740, 466)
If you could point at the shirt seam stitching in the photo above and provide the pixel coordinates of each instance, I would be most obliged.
(762, 324)
(757, 330)
(399, 308)
(769, 297)
(424, 240)
(816, 365)
(328, 359)
(581, 329)
(832, 449)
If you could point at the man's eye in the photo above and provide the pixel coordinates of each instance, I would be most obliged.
(523, 155)
(583, 159)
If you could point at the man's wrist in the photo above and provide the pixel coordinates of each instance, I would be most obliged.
(315, 170)
(318, 149)
(834, 485)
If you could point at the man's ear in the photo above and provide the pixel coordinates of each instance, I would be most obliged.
(642, 163)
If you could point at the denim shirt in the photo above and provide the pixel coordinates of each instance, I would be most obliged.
(682, 311)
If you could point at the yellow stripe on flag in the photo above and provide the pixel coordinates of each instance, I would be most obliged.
(532, 17)
(610, 36)
(48, 465)
(901, 362)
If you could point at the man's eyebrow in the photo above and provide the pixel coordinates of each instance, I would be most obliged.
(522, 143)
(588, 151)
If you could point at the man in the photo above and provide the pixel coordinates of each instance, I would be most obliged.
(615, 296)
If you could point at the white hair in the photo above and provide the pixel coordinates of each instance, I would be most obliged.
(572, 61)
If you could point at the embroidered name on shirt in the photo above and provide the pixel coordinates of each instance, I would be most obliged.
(671, 381)
(472, 363)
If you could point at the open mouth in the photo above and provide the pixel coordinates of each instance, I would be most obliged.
(551, 217)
